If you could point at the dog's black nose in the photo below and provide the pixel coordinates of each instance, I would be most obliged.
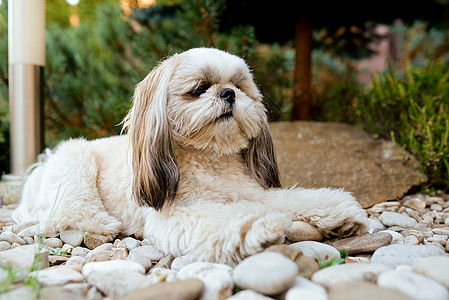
(228, 95)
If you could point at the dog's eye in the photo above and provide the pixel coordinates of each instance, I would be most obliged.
(200, 90)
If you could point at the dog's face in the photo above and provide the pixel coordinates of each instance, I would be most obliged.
(213, 101)
(201, 98)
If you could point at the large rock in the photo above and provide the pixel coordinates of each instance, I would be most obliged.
(318, 154)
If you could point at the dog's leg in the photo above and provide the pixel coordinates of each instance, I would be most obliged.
(67, 197)
(333, 211)
(216, 232)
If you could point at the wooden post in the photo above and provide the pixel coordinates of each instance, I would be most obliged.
(303, 69)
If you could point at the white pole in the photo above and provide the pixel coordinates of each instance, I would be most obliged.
(26, 52)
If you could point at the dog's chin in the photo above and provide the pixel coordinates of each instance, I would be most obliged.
(223, 135)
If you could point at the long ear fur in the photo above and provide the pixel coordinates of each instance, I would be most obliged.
(261, 161)
(155, 173)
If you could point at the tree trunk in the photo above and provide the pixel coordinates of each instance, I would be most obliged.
(303, 69)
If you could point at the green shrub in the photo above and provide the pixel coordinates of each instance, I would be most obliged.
(4, 109)
(413, 111)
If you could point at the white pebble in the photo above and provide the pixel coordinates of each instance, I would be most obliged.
(396, 219)
(317, 250)
(217, 278)
(131, 243)
(72, 237)
(414, 285)
(4, 245)
(53, 242)
(80, 251)
(269, 273)
(11, 237)
(435, 267)
(112, 266)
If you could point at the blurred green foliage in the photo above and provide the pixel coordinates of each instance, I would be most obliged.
(4, 108)
(92, 69)
(413, 110)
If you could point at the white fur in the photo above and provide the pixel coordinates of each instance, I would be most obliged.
(221, 212)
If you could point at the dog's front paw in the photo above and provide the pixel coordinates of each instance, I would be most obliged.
(333, 212)
(263, 232)
(345, 218)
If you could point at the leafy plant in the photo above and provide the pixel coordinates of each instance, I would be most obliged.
(414, 111)
(323, 263)
(58, 252)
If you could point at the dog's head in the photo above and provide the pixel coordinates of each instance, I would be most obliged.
(201, 98)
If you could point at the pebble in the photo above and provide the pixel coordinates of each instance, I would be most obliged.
(395, 255)
(435, 267)
(391, 206)
(118, 284)
(112, 266)
(75, 260)
(436, 207)
(23, 257)
(408, 264)
(249, 295)
(93, 240)
(119, 253)
(415, 203)
(53, 242)
(72, 237)
(150, 251)
(11, 237)
(414, 285)
(183, 290)
(302, 231)
(437, 238)
(4, 245)
(57, 259)
(363, 243)
(291, 252)
(217, 278)
(442, 231)
(28, 240)
(131, 243)
(374, 225)
(57, 276)
(364, 290)
(180, 262)
(68, 248)
(80, 251)
(306, 289)
(22, 293)
(317, 250)
(397, 237)
(307, 266)
(165, 262)
(395, 219)
(268, 273)
(77, 288)
(102, 255)
(141, 260)
(336, 275)
(158, 275)
(411, 240)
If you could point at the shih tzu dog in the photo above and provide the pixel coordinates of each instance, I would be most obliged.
(196, 173)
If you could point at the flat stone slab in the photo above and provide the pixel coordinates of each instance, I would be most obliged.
(324, 154)
(364, 243)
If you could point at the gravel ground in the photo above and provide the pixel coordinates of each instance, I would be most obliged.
(404, 256)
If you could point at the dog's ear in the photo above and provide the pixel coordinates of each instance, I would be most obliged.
(155, 173)
(260, 159)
